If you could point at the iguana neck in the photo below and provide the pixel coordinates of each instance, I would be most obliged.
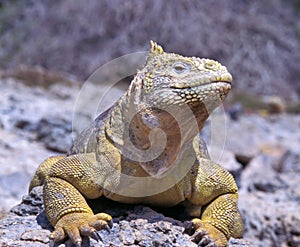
(134, 123)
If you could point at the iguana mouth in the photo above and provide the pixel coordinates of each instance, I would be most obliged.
(188, 86)
(185, 93)
(181, 86)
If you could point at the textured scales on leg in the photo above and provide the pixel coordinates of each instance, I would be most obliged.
(173, 94)
(42, 171)
(66, 207)
(219, 218)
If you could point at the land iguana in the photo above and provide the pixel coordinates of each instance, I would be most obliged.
(146, 149)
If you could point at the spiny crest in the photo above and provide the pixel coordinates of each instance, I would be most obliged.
(155, 48)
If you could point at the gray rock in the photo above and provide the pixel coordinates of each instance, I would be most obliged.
(17, 231)
(47, 118)
(55, 133)
(21, 146)
(239, 243)
(27, 225)
(290, 163)
(251, 133)
(262, 153)
(8, 183)
(271, 219)
(269, 203)
(19, 157)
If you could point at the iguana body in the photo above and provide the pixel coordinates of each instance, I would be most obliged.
(146, 149)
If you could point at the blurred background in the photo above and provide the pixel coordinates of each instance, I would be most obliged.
(257, 40)
(49, 48)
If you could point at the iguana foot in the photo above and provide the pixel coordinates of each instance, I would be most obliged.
(207, 235)
(203, 239)
(74, 225)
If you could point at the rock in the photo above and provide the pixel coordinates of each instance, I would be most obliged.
(240, 243)
(245, 136)
(47, 118)
(20, 149)
(271, 219)
(291, 163)
(36, 236)
(32, 204)
(55, 133)
(34, 103)
(13, 227)
(27, 225)
(270, 189)
(9, 186)
(37, 75)
(19, 157)
(275, 104)
(251, 133)
(269, 200)
(261, 152)
(254, 179)
(235, 111)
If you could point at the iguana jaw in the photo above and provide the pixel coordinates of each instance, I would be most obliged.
(214, 89)
(204, 84)
(221, 81)
(190, 94)
(178, 86)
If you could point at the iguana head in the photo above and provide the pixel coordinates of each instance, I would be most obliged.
(165, 106)
(170, 79)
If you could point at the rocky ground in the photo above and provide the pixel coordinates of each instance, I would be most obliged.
(262, 152)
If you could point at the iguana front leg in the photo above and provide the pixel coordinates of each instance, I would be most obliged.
(68, 183)
(219, 221)
(43, 171)
(214, 204)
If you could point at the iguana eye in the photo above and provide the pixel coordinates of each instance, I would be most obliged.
(181, 68)
(211, 65)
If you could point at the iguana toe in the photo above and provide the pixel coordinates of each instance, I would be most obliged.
(95, 235)
(57, 235)
(75, 225)
(206, 241)
(101, 221)
(203, 239)
(198, 234)
(206, 235)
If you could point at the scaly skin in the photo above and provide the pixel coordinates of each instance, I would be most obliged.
(146, 149)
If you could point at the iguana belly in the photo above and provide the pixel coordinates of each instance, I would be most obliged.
(170, 197)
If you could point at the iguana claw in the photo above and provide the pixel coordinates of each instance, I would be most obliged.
(108, 227)
(207, 242)
(95, 235)
(78, 244)
(199, 235)
(202, 234)
(203, 239)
